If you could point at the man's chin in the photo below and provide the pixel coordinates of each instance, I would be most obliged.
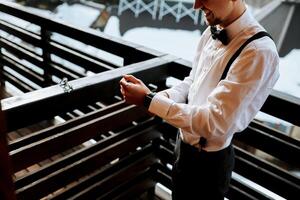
(211, 22)
(208, 23)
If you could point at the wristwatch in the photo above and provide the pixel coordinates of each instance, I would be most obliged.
(148, 99)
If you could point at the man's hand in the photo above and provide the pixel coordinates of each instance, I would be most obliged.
(133, 90)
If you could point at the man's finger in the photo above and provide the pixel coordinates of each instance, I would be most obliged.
(131, 78)
(122, 90)
(124, 84)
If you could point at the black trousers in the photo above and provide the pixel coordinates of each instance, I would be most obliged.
(200, 174)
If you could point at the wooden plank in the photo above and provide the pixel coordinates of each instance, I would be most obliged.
(61, 71)
(6, 186)
(98, 87)
(281, 183)
(83, 153)
(164, 179)
(135, 187)
(33, 32)
(96, 177)
(20, 33)
(105, 188)
(284, 151)
(17, 83)
(55, 144)
(236, 193)
(179, 69)
(21, 51)
(86, 55)
(24, 71)
(42, 134)
(287, 107)
(78, 58)
(85, 166)
(274, 132)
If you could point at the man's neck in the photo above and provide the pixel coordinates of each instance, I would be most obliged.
(237, 12)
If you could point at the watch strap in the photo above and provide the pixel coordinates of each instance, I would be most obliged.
(148, 99)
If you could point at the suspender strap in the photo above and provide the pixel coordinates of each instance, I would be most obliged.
(238, 52)
(202, 141)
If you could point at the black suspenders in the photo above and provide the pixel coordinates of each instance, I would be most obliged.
(202, 141)
(238, 52)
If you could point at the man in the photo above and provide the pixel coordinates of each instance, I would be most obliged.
(220, 97)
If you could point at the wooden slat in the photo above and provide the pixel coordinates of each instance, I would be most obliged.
(134, 188)
(101, 86)
(20, 33)
(283, 106)
(78, 59)
(68, 174)
(24, 71)
(22, 52)
(96, 177)
(265, 175)
(164, 179)
(42, 134)
(235, 192)
(106, 187)
(284, 151)
(65, 69)
(17, 83)
(52, 145)
(82, 153)
(113, 45)
(275, 133)
(105, 64)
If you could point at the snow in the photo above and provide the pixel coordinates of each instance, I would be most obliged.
(289, 80)
(77, 14)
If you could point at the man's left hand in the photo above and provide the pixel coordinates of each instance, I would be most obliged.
(133, 90)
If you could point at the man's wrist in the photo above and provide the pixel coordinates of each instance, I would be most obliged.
(147, 100)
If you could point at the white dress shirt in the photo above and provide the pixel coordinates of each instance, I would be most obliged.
(216, 110)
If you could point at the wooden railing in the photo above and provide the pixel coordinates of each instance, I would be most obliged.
(131, 150)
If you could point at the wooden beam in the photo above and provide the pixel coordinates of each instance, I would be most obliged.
(42, 134)
(74, 136)
(25, 109)
(85, 166)
(20, 33)
(22, 52)
(7, 191)
(96, 178)
(261, 140)
(66, 161)
(283, 106)
(266, 175)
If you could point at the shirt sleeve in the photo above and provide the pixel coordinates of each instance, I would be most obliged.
(248, 83)
(179, 93)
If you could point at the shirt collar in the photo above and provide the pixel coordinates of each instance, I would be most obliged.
(239, 24)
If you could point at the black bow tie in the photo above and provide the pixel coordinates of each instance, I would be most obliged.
(219, 34)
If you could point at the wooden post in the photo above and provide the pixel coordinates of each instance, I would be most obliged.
(45, 37)
(1, 68)
(6, 182)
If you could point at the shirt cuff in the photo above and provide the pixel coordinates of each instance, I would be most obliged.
(160, 105)
(173, 94)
